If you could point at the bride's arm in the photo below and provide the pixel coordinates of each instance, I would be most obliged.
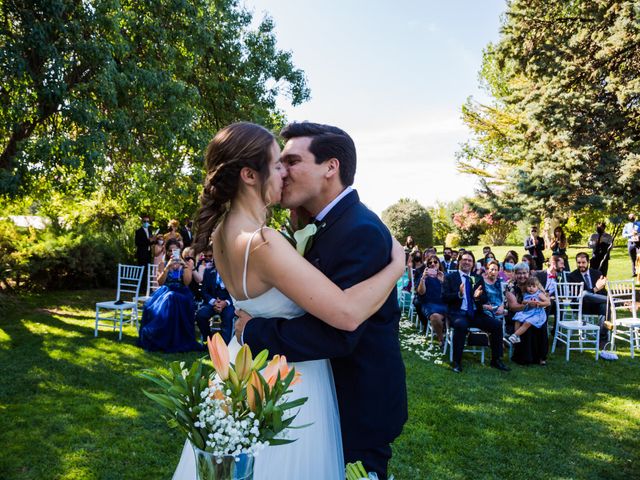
(279, 265)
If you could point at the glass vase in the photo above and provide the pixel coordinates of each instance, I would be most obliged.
(209, 467)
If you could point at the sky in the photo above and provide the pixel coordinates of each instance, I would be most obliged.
(394, 76)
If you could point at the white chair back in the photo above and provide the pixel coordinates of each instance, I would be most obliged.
(569, 301)
(129, 280)
(622, 296)
(152, 279)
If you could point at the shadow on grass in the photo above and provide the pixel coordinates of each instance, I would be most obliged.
(72, 405)
(567, 420)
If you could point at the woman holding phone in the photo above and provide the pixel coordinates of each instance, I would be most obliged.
(429, 289)
(167, 319)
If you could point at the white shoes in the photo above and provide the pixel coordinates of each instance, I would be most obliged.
(607, 355)
(514, 339)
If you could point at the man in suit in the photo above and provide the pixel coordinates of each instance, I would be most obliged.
(186, 233)
(465, 294)
(448, 263)
(216, 300)
(595, 295)
(351, 245)
(143, 240)
(534, 244)
(600, 244)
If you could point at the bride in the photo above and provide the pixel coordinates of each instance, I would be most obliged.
(268, 278)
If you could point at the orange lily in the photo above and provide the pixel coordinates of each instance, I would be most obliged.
(252, 399)
(279, 364)
(219, 354)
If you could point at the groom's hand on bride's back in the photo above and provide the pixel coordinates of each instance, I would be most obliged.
(241, 322)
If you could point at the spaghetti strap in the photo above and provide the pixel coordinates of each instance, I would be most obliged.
(246, 261)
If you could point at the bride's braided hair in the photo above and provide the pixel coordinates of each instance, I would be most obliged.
(234, 147)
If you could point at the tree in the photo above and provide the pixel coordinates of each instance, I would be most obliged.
(123, 96)
(441, 220)
(408, 217)
(563, 131)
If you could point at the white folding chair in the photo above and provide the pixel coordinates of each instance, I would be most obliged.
(129, 279)
(448, 343)
(152, 282)
(570, 322)
(622, 300)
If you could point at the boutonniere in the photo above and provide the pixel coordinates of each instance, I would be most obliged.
(301, 239)
(473, 280)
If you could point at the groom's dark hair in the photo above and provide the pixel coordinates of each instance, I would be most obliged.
(327, 142)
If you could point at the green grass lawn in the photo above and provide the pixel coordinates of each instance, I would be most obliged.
(71, 407)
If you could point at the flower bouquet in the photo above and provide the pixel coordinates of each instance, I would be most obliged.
(229, 412)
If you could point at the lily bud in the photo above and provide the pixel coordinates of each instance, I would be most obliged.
(243, 363)
(219, 354)
(255, 391)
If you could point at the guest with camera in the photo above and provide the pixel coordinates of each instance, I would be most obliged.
(216, 312)
(432, 306)
(167, 319)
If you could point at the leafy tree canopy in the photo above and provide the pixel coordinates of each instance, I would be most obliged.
(563, 131)
(120, 97)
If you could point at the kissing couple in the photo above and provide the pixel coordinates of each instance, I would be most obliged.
(334, 312)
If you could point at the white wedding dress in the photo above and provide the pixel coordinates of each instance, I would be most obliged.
(317, 452)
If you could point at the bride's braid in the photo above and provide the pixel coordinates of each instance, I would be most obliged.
(237, 146)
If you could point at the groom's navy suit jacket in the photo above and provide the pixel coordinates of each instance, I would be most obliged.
(351, 245)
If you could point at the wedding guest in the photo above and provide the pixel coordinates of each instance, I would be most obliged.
(465, 295)
(513, 254)
(559, 245)
(429, 290)
(533, 315)
(631, 232)
(534, 244)
(409, 245)
(486, 250)
(534, 342)
(594, 300)
(415, 263)
(217, 305)
(186, 233)
(167, 319)
(506, 272)
(448, 263)
(158, 250)
(494, 307)
(454, 256)
(143, 239)
(528, 259)
(600, 243)
(173, 233)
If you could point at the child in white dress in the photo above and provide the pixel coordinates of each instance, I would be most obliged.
(533, 314)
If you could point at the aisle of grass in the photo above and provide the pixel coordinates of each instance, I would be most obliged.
(71, 407)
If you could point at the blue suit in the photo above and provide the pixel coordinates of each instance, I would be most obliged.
(351, 245)
(213, 289)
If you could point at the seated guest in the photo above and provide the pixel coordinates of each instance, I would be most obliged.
(549, 279)
(506, 272)
(513, 254)
(448, 263)
(465, 295)
(196, 278)
(415, 263)
(529, 260)
(533, 315)
(559, 245)
(594, 301)
(481, 267)
(216, 303)
(494, 307)
(429, 290)
(454, 257)
(534, 342)
(167, 319)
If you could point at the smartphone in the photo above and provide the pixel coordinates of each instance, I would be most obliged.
(176, 254)
(432, 272)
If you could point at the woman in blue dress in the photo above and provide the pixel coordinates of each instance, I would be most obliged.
(429, 290)
(168, 323)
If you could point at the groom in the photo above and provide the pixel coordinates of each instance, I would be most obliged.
(351, 244)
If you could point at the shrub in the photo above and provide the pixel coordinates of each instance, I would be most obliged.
(408, 217)
(453, 240)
